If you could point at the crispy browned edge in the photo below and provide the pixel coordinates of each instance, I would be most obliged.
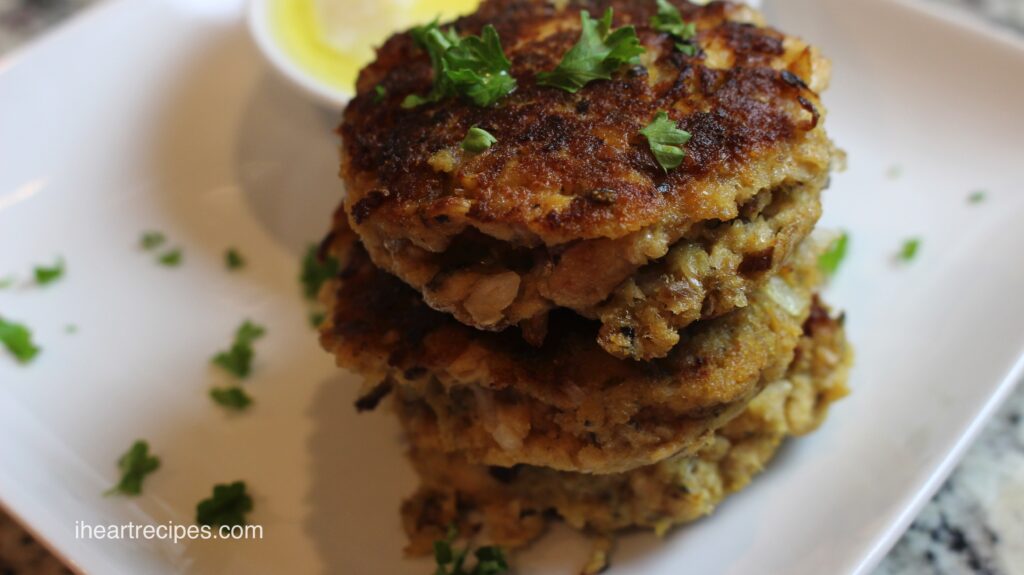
(571, 145)
(512, 506)
(571, 405)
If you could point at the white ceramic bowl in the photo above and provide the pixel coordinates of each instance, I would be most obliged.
(261, 30)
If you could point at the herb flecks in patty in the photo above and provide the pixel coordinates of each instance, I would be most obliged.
(666, 141)
(474, 67)
(237, 360)
(598, 53)
(135, 465)
(227, 506)
(17, 338)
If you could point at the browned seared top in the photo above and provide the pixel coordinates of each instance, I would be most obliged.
(571, 166)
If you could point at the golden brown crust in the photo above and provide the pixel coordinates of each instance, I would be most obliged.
(707, 276)
(570, 203)
(567, 404)
(511, 506)
(745, 98)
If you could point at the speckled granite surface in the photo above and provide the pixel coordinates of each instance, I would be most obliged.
(974, 525)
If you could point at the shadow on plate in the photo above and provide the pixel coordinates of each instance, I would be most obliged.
(288, 160)
(240, 155)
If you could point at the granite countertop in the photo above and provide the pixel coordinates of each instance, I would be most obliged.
(975, 524)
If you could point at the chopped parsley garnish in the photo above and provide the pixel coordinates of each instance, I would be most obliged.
(18, 340)
(7, 281)
(227, 506)
(489, 560)
(597, 54)
(316, 271)
(976, 197)
(171, 259)
(233, 260)
(829, 261)
(316, 318)
(474, 67)
(478, 140)
(894, 172)
(909, 250)
(688, 49)
(152, 240)
(71, 329)
(667, 141)
(135, 465)
(670, 21)
(238, 359)
(379, 93)
(49, 274)
(232, 397)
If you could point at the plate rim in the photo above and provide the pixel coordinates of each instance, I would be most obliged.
(886, 539)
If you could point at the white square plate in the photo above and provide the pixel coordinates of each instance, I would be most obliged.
(159, 115)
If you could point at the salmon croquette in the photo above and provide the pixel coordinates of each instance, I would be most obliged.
(511, 505)
(567, 404)
(569, 208)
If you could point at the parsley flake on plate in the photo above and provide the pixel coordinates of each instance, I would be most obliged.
(666, 141)
(238, 359)
(315, 272)
(171, 259)
(976, 197)
(670, 21)
(597, 54)
(152, 240)
(233, 397)
(828, 262)
(135, 465)
(474, 67)
(490, 560)
(909, 250)
(18, 340)
(227, 506)
(7, 281)
(233, 260)
(478, 140)
(48, 274)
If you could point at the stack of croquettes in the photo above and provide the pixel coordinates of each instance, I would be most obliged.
(576, 257)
